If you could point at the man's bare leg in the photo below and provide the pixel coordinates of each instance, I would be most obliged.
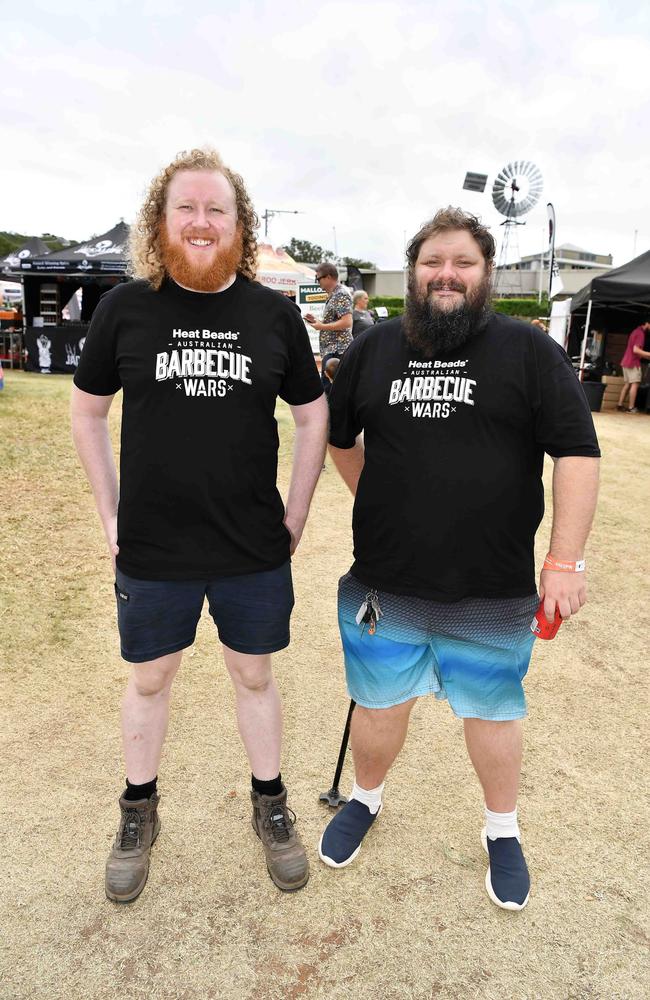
(495, 751)
(259, 711)
(259, 717)
(377, 735)
(145, 715)
(634, 389)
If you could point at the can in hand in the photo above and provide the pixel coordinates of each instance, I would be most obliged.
(543, 629)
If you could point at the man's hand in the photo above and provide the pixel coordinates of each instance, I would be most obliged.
(110, 530)
(575, 488)
(567, 590)
(295, 529)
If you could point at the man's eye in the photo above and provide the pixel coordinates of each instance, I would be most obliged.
(219, 210)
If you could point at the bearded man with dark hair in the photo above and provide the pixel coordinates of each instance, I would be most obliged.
(201, 352)
(458, 407)
(435, 320)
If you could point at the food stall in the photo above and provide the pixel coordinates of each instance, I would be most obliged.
(603, 314)
(60, 293)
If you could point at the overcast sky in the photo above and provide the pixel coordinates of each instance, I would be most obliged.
(363, 116)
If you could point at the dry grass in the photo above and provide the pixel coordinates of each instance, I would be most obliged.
(410, 919)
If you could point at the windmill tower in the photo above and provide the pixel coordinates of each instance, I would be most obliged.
(515, 191)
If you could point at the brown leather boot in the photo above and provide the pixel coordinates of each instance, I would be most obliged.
(127, 867)
(285, 856)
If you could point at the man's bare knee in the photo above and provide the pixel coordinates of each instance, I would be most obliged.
(384, 716)
(252, 678)
(248, 671)
(155, 677)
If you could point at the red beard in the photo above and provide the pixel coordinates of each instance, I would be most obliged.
(207, 278)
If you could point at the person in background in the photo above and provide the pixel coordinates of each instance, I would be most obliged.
(335, 328)
(540, 326)
(631, 365)
(362, 318)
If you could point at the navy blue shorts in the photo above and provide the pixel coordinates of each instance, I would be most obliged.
(159, 617)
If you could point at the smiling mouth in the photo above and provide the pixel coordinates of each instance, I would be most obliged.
(200, 243)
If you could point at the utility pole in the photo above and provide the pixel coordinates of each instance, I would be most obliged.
(268, 213)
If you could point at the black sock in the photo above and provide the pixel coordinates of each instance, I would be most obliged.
(274, 787)
(135, 792)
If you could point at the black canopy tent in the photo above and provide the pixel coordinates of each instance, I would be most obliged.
(628, 285)
(50, 281)
(615, 302)
(31, 248)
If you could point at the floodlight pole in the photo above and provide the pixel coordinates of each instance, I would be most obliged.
(268, 213)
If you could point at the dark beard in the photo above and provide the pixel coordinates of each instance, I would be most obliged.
(200, 279)
(432, 331)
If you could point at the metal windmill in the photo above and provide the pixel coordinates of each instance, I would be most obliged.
(515, 191)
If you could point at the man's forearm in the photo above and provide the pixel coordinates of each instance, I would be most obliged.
(93, 444)
(345, 323)
(308, 454)
(575, 491)
(349, 463)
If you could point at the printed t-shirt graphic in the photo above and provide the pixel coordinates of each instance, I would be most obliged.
(200, 375)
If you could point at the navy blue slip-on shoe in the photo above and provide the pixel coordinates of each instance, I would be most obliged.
(507, 880)
(341, 840)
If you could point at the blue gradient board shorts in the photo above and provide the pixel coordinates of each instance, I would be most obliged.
(475, 652)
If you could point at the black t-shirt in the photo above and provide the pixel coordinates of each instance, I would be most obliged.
(200, 375)
(451, 494)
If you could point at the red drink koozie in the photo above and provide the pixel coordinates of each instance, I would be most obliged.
(543, 629)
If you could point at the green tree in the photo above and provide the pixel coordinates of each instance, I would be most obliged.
(356, 262)
(307, 253)
(13, 241)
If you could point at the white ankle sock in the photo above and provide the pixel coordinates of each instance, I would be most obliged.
(501, 824)
(370, 797)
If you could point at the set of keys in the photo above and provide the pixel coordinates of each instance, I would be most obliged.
(369, 613)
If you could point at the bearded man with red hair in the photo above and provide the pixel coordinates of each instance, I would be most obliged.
(201, 352)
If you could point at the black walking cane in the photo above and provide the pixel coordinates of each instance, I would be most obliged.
(334, 798)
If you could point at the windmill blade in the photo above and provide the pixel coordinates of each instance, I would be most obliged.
(517, 188)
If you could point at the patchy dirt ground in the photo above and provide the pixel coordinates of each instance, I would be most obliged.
(411, 918)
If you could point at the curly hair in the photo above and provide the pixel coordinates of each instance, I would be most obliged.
(453, 218)
(144, 242)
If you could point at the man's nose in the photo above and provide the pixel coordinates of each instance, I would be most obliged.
(447, 270)
(200, 217)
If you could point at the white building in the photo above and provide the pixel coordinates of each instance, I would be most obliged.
(529, 276)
